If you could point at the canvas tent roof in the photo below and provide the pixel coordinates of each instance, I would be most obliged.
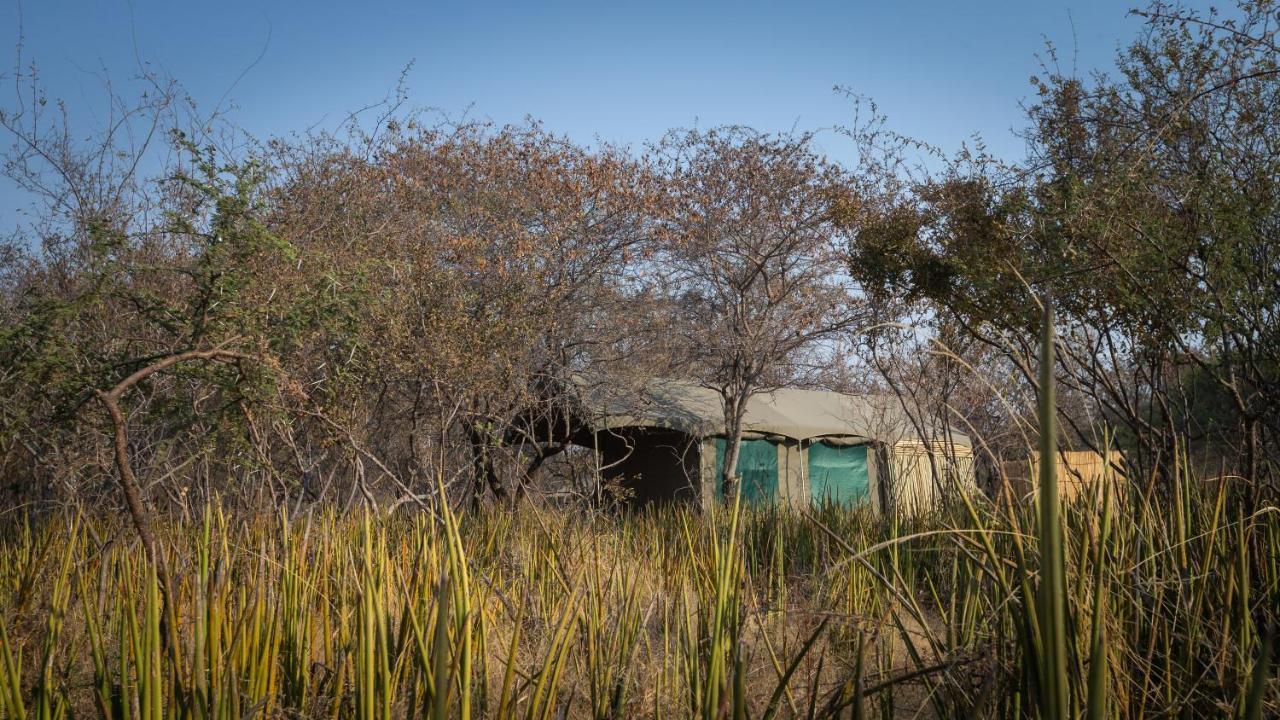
(788, 412)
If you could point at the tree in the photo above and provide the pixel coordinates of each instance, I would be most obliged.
(142, 292)
(1149, 207)
(496, 262)
(752, 262)
(354, 315)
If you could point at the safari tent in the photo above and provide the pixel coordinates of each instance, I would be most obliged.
(667, 442)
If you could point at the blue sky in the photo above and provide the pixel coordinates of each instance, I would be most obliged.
(622, 72)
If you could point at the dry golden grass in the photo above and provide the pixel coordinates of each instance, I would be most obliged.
(540, 613)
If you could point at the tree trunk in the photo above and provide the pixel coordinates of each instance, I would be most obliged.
(482, 462)
(129, 482)
(734, 410)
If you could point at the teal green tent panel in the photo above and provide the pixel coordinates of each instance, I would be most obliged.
(757, 466)
(838, 473)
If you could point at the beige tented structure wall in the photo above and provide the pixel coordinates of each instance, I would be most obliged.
(793, 474)
(791, 477)
(664, 442)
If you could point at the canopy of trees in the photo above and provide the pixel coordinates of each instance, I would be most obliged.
(373, 316)
(1148, 209)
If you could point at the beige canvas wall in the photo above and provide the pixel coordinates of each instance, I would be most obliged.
(899, 477)
(793, 476)
(792, 480)
(802, 491)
